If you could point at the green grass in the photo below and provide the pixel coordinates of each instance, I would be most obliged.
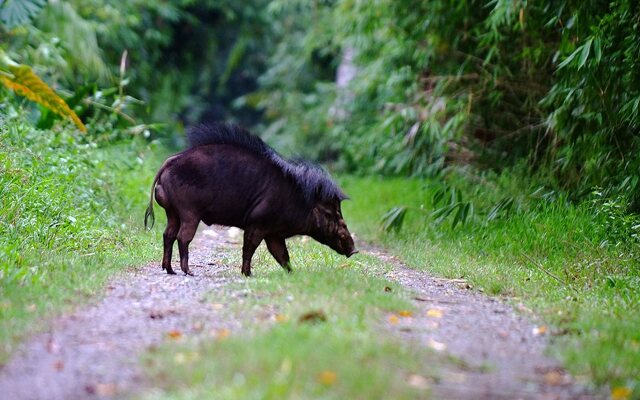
(282, 357)
(70, 216)
(548, 254)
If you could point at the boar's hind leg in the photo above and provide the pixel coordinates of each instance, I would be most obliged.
(252, 239)
(169, 237)
(278, 249)
(185, 235)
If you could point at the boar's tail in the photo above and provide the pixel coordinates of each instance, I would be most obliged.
(149, 213)
(149, 217)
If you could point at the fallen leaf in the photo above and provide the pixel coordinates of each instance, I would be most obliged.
(418, 382)
(223, 333)
(327, 377)
(405, 313)
(387, 289)
(179, 358)
(437, 346)
(553, 378)
(281, 318)
(539, 330)
(106, 389)
(58, 365)
(174, 334)
(31, 308)
(217, 306)
(313, 317)
(434, 313)
(620, 393)
(393, 319)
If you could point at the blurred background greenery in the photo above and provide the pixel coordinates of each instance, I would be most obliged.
(506, 114)
(550, 88)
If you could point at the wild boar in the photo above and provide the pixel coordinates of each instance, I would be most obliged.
(230, 177)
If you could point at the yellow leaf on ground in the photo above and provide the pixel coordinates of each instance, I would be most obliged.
(327, 377)
(620, 393)
(174, 334)
(539, 330)
(434, 313)
(281, 318)
(179, 358)
(405, 313)
(393, 319)
(223, 333)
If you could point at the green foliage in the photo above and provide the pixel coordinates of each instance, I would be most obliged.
(616, 226)
(69, 215)
(18, 12)
(442, 82)
(595, 101)
(22, 80)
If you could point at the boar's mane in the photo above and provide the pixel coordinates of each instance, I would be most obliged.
(312, 180)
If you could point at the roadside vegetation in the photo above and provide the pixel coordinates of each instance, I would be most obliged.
(574, 265)
(69, 218)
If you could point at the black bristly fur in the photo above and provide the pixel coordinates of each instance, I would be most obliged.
(312, 180)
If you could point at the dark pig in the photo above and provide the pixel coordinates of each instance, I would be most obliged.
(231, 177)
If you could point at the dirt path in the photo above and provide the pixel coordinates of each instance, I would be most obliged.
(94, 353)
(501, 352)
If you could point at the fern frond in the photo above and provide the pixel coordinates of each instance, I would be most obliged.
(19, 12)
(25, 82)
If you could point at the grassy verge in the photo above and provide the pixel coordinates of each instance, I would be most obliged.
(322, 339)
(575, 265)
(70, 216)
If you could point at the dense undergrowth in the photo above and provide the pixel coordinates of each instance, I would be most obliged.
(70, 215)
(575, 265)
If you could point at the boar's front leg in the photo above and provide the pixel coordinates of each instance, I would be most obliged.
(278, 249)
(252, 239)
(188, 227)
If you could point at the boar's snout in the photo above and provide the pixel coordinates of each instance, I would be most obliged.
(332, 231)
(345, 245)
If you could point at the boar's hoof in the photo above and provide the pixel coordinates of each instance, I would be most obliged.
(170, 271)
(246, 272)
(188, 272)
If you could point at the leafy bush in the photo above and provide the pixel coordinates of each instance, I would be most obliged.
(441, 82)
(70, 215)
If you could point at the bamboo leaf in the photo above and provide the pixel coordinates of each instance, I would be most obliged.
(392, 220)
(586, 49)
(569, 59)
(25, 82)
